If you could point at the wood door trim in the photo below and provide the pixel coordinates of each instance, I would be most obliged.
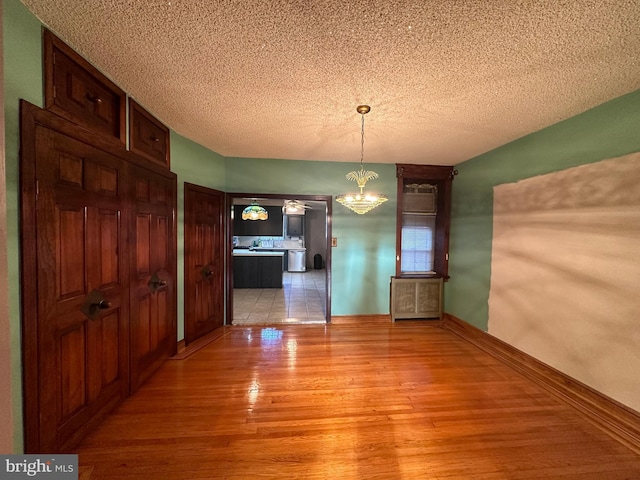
(28, 260)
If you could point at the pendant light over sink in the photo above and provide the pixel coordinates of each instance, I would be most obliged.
(362, 202)
(254, 212)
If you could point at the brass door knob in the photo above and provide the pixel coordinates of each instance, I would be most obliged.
(206, 271)
(94, 303)
(103, 304)
(155, 283)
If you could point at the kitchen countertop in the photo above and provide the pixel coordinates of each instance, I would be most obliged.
(260, 249)
(256, 253)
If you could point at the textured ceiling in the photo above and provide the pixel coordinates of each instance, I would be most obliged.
(446, 80)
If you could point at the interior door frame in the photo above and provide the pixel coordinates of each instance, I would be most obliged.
(229, 243)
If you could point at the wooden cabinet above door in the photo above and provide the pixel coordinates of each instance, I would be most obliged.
(77, 91)
(147, 136)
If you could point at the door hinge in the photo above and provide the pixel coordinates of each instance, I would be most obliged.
(37, 188)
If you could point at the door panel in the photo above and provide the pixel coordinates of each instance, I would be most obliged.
(70, 236)
(72, 371)
(204, 261)
(153, 308)
(82, 366)
(107, 225)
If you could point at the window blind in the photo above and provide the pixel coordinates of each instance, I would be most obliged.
(417, 248)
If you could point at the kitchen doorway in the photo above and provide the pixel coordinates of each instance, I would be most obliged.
(266, 284)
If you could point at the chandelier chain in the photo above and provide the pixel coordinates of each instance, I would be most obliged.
(362, 143)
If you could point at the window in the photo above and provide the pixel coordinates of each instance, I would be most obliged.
(418, 235)
(423, 220)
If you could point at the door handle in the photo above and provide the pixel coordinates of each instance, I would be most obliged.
(155, 283)
(206, 271)
(103, 304)
(94, 303)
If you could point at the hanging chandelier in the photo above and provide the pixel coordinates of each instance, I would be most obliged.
(254, 212)
(361, 202)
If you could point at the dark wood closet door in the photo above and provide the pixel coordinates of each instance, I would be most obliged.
(82, 287)
(204, 260)
(153, 272)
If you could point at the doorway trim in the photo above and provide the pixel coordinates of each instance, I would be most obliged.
(230, 196)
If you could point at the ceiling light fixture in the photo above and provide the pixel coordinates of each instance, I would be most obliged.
(295, 207)
(361, 202)
(254, 212)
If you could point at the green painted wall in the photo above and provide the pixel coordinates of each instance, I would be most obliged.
(607, 131)
(364, 259)
(192, 163)
(22, 79)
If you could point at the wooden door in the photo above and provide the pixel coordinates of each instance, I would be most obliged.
(203, 260)
(153, 272)
(75, 292)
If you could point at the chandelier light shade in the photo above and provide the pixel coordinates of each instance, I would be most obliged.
(361, 202)
(254, 212)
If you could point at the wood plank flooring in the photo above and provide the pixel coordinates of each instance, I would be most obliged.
(400, 401)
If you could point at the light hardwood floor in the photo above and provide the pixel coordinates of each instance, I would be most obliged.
(398, 401)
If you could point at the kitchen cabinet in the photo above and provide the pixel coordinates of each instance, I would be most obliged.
(257, 250)
(259, 270)
(295, 225)
(271, 227)
(285, 256)
(416, 298)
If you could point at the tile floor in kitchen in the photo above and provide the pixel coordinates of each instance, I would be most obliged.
(301, 299)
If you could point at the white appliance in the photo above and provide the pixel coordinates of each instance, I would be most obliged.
(297, 260)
